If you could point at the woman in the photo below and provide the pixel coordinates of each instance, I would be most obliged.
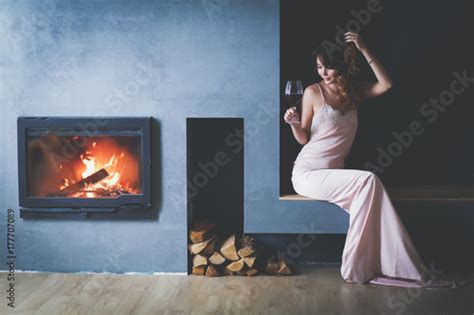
(378, 248)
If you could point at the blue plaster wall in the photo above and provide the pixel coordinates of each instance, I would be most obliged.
(165, 59)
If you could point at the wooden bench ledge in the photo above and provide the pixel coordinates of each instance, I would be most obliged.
(416, 193)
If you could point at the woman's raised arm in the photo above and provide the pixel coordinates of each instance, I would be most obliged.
(384, 82)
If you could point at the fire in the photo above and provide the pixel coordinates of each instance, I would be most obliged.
(90, 166)
(99, 157)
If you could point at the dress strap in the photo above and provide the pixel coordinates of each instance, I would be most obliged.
(322, 94)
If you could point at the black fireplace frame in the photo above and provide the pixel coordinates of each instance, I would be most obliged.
(122, 207)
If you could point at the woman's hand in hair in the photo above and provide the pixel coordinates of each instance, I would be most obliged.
(356, 39)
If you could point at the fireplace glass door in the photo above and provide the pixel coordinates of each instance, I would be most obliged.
(75, 164)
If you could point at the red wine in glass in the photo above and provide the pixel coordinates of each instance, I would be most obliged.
(293, 94)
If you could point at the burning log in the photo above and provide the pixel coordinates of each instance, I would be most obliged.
(91, 179)
(111, 191)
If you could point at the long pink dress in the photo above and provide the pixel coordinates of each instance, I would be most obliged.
(378, 249)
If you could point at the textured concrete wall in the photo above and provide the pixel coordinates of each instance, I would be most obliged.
(166, 59)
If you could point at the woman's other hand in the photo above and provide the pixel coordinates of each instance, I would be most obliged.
(291, 116)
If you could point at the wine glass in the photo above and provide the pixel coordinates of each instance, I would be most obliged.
(293, 94)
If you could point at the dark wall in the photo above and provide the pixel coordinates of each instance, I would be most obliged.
(421, 44)
(215, 172)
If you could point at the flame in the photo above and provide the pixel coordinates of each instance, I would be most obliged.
(89, 162)
(105, 156)
(65, 183)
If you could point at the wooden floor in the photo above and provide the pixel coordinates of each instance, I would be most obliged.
(314, 289)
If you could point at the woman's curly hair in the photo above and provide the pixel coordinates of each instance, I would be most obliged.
(344, 61)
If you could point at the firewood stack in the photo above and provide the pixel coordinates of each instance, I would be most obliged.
(216, 255)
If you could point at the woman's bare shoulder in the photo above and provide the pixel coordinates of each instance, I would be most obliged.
(313, 93)
(312, 89)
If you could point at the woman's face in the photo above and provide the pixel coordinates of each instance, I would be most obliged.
(325, 73)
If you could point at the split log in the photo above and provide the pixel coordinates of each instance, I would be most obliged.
(91, 179)
(199, 260)
(277, 266)
(201, 231)
(249, 261)
(243, 271)
(284, 269)
(247, 241)
(247, 246)
(227, 272)
(216, 259)
(246, 271)
(199, 271)
(210, 248)
(199, 247)
(236, 266)
(272, 266)
(213, 271)
(228, 249)
(246, 251)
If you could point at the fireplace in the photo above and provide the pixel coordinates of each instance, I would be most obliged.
(87, 167)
